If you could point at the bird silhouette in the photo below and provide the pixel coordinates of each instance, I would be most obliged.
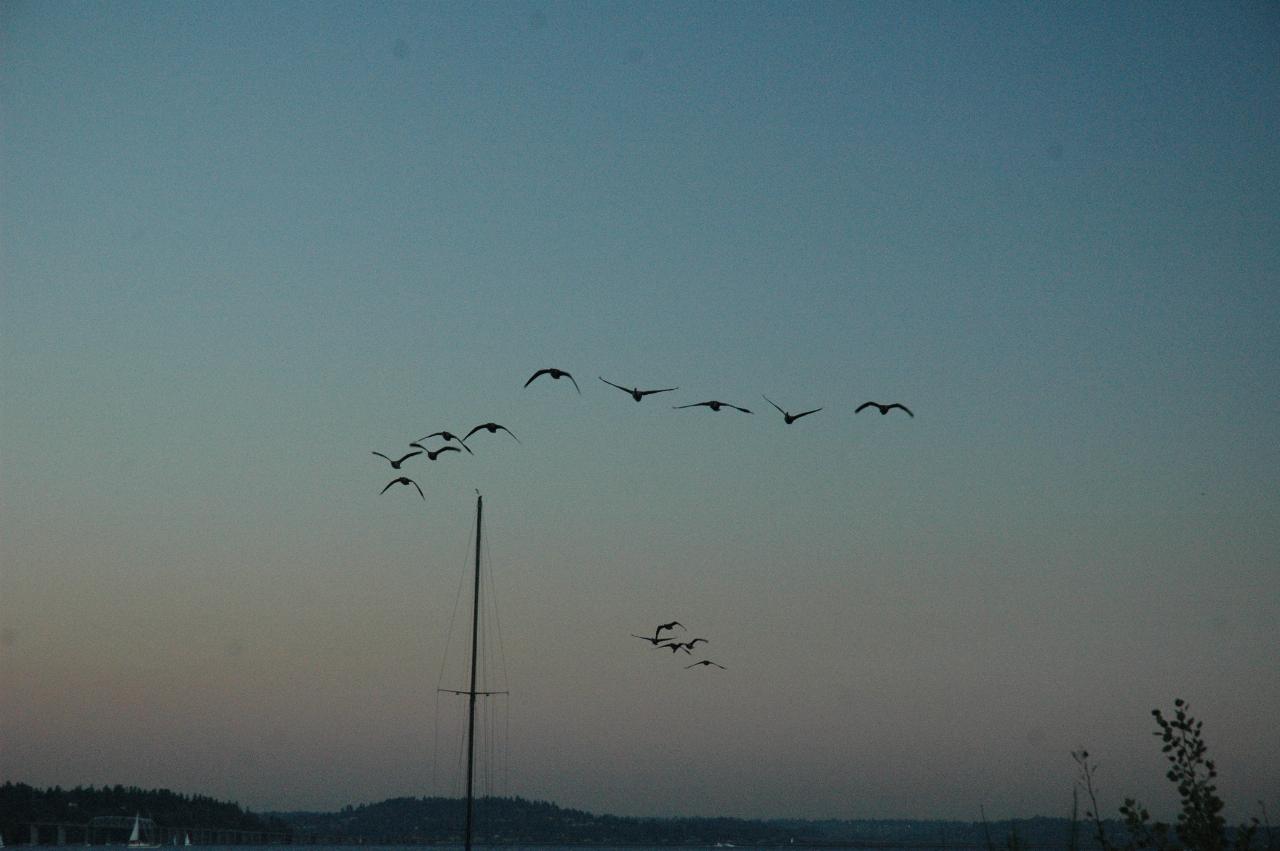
(554, 373)
(445, 435)
(663, 626)
(713, 405)
(396, 462)
(706, 662)
(654, 640)
(694, 641)
(431, 456)
(403, 480)
(676, 646)
(636, 394)
(492, 428)
(789, 418)
(884, 409)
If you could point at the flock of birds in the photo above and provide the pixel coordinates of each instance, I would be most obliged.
(658, 640)
(668, 642)
(635, 393)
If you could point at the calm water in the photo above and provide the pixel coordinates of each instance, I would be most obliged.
(375, 847)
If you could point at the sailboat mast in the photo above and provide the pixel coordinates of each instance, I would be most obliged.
(471, 712)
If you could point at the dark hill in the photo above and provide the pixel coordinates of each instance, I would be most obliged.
(22, 805)
(520, 821)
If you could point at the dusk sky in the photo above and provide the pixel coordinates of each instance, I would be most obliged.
(245, 244)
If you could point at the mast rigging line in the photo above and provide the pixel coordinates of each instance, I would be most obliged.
(444, 660)
(487, 663)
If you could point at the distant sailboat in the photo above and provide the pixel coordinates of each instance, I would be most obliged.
(135, 838)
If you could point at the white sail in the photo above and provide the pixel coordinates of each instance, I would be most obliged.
(135, 838)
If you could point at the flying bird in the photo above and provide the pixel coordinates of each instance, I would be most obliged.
(431, 456)
(884, 409)
(713, 405)
(694, 641)
(396, 462)
(663, 626)
(635, 393)
(403, 480)
(554, 373)
(706, 662)
(445, 435)
(789, 418)
(492, 428)
(676, 646)
(654, 640)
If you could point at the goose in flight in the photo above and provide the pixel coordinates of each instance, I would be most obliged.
(445, 435)
(663, 626)
(706, 662)
(789, 418)
(554, 373)
(403, 480)
(884, 409)
(635, 393)
(713, 405)
(431, 456)
(651, 639)
(396, 462)
(676, 646)
(492, 428)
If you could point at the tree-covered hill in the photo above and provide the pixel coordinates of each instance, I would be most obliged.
(520, 821)
(23, 804)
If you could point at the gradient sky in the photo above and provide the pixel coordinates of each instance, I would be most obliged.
(245, 244)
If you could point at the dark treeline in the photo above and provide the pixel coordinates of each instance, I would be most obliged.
(23, 804)
(520, 821)
(515, 821)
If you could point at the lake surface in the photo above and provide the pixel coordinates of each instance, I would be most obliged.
(458, 847)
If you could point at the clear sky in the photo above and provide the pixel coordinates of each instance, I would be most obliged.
(246, 244)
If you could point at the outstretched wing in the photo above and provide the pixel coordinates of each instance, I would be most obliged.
(775, 404)
(535, 375)
(508, 431)
(807, 413)
(447, 449)
(380, 455)
(611, 384)
(476, 429)
(663, 390)
(864, 406)
(389, 484)
(693, 405)
(900, 405)
(575, 382)
(407, 457)
(736, 408)
(418, 489)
